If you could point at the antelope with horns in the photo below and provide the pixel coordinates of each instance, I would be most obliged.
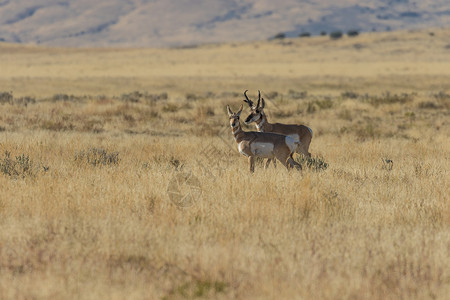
(260, 144)
(300, 133)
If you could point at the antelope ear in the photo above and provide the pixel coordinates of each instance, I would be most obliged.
(262, 103)
(230, 113)
(240, 110)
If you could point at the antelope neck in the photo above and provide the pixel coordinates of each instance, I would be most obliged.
(237, 132)
(261, 122)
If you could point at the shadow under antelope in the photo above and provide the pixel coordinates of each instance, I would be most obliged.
(261, 144)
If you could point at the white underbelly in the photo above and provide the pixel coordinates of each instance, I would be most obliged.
(262, 149)
(240, 148)
(295, 137)
(292, 143)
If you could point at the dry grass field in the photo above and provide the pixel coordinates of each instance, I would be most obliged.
(120, 179)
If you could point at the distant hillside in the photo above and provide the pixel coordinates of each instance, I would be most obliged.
(162, 23)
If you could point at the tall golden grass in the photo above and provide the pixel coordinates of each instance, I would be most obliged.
(373, 225)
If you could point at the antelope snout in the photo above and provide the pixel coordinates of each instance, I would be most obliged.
(248, 121)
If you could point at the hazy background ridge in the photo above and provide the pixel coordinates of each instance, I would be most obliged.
(159, 23)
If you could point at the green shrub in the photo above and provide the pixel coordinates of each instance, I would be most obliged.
(388, 98)
(349, 95)
(56, 125)
(97, 157)
(65, 97)
(428, 105)
(6, 97)
(25, 101)
(442, 96)
(336, 35)
(279, 36)
(353, 33)
(325, 103)
(137, 96)
(312, 163)
(192, 97)
(20, 167)
(198, 289)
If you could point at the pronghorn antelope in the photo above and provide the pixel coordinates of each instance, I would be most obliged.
(260, 144)
(300, 133)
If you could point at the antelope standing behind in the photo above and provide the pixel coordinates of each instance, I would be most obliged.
(300, 133)
(260, 144)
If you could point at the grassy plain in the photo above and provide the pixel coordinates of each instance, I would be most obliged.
(107, 227)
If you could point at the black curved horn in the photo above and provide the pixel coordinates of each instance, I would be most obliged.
(259, 98)
(248, 101)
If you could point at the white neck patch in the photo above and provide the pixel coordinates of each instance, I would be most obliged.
(260, 125)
